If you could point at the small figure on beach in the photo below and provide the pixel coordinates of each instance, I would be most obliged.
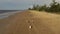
(30, 27)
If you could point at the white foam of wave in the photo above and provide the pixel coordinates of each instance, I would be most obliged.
(4, 15)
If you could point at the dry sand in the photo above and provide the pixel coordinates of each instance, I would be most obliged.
(31, 22)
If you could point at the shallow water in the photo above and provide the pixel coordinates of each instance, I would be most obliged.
(6, 14)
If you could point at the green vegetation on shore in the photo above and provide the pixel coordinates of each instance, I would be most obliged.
(53, 7)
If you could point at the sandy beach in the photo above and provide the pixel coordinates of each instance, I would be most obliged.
(31, 22)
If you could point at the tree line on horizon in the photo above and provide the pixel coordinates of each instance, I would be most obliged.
(53, 7)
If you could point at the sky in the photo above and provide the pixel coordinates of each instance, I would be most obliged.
(21, 4)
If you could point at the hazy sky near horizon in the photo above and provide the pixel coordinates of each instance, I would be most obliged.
(21, 4)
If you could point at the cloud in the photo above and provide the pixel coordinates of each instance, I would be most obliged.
(58, 1)
(21, 4)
